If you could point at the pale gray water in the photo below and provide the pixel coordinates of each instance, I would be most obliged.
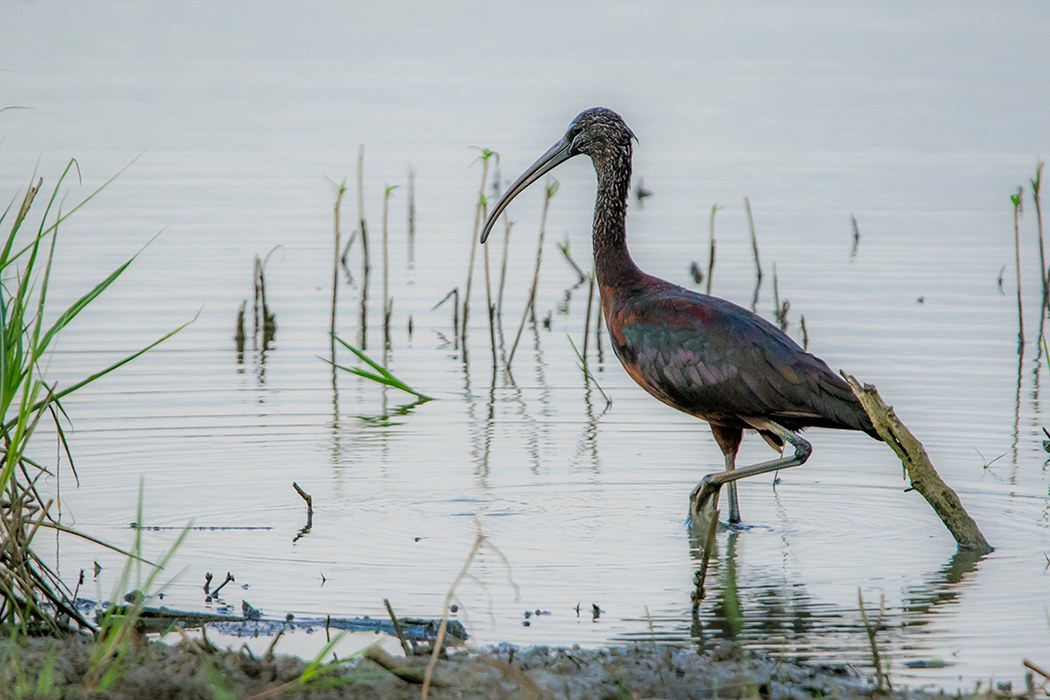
(921, 121)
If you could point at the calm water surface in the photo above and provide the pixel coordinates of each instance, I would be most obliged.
(920, 122)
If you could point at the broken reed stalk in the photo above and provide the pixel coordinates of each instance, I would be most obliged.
(411, 213)
(1044, 274)
(711, 252)
(238, 332)
(256, 323)
(386, 274)
(1016, 199)
(305, 496)
(454, 296)
(754, 239)
(924, 478)
(265, 323)
(335, 263)
(309, 502)
(780, 311)
(881, 678)
(485, 155)
(549, 190)
(856, 237)
(362, 333)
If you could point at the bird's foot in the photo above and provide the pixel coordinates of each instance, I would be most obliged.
(703, 504)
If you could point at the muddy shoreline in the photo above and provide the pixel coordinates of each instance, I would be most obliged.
(646, 670)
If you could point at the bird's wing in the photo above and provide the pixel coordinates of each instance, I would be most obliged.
(713, 359)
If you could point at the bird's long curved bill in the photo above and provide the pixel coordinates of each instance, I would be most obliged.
(558, 153)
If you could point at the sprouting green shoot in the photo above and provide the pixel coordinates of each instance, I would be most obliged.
(552, 188)
(383, 377)
(587, 373)
(487, 153)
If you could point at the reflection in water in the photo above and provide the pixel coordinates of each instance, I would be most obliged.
(588, 442)
(764, 610)
(1017, 411)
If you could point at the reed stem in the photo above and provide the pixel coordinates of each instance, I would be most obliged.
(711, 253)
(411, 214)
(1016, 199)
(335, 264)
(485, 155)
(754, 239)
(550, 188)
(386, 273)
(362, 336)
(1044, 273)
(587, 320)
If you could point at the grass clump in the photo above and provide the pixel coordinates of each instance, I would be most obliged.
(32, 596)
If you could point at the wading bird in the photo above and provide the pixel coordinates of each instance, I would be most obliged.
(697, 353)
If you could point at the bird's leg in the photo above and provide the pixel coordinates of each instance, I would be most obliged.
(704, 498)
(734, 503)
(728, 440)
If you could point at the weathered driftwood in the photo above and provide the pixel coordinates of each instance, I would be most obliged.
(924, 477)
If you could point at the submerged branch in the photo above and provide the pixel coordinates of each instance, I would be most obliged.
(923, 476)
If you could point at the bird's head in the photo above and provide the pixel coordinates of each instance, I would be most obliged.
(597, 132)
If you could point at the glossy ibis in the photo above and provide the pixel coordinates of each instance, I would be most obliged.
(700, 354)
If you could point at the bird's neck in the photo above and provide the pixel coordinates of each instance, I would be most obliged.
(612, 262)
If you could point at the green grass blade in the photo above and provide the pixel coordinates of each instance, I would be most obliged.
(79, 306)
(384, 377)
(361, 356)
